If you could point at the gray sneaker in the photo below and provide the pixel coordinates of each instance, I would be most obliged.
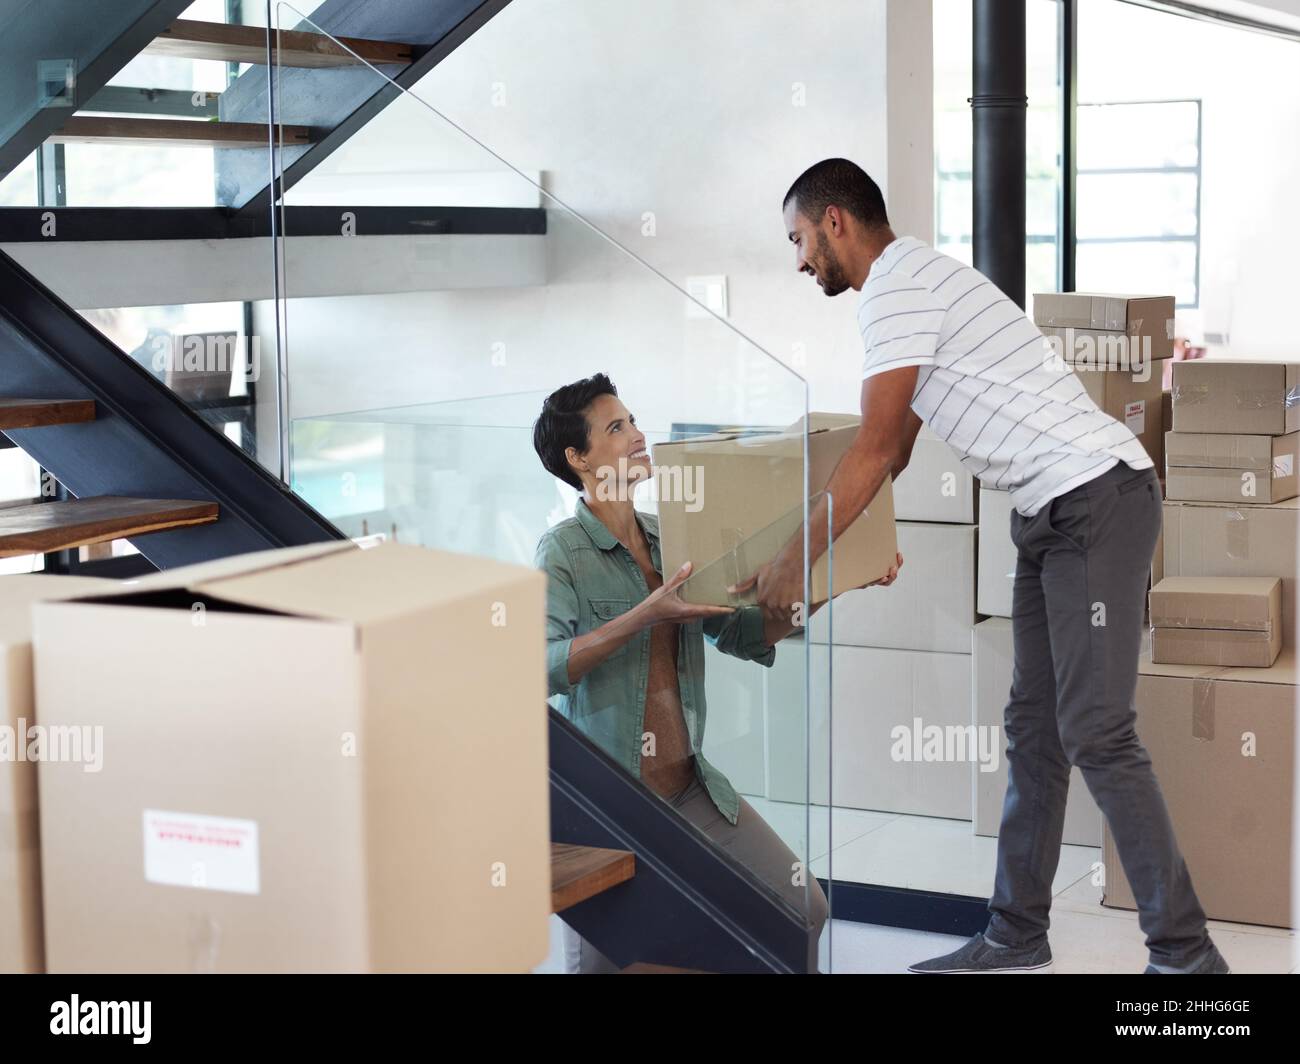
(977, 957)
(1211, 963)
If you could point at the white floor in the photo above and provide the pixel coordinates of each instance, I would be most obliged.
(942, 855)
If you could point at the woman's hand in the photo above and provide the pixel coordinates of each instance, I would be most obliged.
(665, 603)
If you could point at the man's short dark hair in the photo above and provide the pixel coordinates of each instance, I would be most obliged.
(564, 424)
(840, 183)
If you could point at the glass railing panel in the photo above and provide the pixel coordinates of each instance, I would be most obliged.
(422, 333)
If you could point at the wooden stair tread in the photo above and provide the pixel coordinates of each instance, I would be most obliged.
(192, 39)
(81, 128)
(31, 413)
(38, 528)
(582, 872)
(643, 968)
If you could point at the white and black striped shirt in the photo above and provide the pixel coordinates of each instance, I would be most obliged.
(1019, 419)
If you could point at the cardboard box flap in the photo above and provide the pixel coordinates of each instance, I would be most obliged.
(1237, 603)
(740, 440)
(187, 576)
(336, 582)
(364, 586)
(823, 422)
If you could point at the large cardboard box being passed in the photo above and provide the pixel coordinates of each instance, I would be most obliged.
(1222, 744)
(314, 760)
(748, 503)
(22, 945)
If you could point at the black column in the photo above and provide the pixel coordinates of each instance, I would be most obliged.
(998, 106)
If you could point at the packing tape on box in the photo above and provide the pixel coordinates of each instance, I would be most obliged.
(1187, 394)
(735, 563)
(1203, 709)
(1222, 624)
(1264, 399)
(1236, 534)
(205, 943)
(1203, 690)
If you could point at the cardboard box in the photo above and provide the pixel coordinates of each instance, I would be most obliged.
(22, 942)
(935, 486)
(314, 761)
(1133, 403)
(893, 712)
(749, 503)
(1220, 539)
(931, 606)
(997, 554)
(1231, 395)
(1101, 349)
(1216, 620)
(1231, 467)
(1150, 318)
(992, 657)
(1222, 744)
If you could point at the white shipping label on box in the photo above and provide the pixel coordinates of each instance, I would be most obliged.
(207, 852)
(1135, 417)
(1283, 465)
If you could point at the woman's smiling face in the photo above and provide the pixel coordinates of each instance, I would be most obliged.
(617, 451)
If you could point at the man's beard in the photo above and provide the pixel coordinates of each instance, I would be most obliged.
(829, 269)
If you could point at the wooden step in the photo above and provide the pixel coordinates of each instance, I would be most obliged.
(190, 39)
(32, 413)
(582, 872)
(41, 527)
(84, 128)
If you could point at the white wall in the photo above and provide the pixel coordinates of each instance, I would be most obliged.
(698, 113)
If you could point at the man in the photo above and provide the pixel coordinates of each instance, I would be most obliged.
(944, 346)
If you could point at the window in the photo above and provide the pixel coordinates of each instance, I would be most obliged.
(1139, 202)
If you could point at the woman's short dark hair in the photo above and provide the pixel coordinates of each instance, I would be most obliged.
(564, 424)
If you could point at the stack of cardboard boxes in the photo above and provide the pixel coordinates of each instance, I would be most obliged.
(1221, 734)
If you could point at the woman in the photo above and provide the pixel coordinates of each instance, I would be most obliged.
(625, 653)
